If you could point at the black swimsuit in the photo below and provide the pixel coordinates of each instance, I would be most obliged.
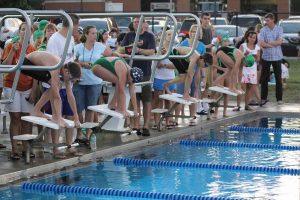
(43, 76)
(181, 65)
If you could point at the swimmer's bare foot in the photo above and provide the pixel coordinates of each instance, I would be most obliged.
(189, 98)
(234, 90)
(61, 122)
(124, 113)
(39, 114)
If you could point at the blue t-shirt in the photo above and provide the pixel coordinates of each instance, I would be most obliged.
(90, 56)
(148, 43)
(200, 46)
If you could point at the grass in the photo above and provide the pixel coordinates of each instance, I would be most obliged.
(291, 93)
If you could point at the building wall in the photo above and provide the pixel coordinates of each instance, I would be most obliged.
(234, 5)
(283, 7)
(92, 6)
(183, 6)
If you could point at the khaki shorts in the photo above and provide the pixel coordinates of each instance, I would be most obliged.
(146, 94)
(19, 104)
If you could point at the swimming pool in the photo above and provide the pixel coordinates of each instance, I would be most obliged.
(203, 182)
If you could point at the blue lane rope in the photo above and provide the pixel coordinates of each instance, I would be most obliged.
(78, 191)
(264, 130)
(193, 165)
(238, 145)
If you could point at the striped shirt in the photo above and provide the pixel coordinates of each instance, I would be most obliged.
(269, 35)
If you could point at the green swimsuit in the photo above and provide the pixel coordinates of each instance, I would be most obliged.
(109, 65)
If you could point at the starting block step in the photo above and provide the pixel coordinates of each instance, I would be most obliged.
(223, 90)
(206, 100)
(103, 108)
(176, 98)
(25, 137)
(159, 110)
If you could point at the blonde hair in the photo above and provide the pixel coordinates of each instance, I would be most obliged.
(195, 26)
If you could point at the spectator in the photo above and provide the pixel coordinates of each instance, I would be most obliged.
(146, 48)
(87, 92)
(249, 74)
(270, 41)
(22, 103)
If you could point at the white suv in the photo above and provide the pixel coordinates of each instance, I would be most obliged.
(246, 21)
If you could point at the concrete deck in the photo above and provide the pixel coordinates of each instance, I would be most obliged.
(109, 144)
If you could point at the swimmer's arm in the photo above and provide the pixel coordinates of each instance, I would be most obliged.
(72, 102)
(197, 82)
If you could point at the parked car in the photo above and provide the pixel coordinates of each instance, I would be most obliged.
(8, 27)
(234, 32)
(291, 28)
(122, 23)
(218, 21)
(246, 21)
(99, 23)
(186, 25)
(295, 17)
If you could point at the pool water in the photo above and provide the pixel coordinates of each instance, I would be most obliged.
(200, 182)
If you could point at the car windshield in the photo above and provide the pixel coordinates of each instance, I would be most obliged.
(214, 21)
(231, 31)
(245, 22)
(186, 25)
(123, 21)
(99, 24)
(290, 27)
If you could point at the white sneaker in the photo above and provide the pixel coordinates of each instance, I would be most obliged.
(279, 102)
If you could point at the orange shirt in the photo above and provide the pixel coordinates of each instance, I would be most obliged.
(25, 82)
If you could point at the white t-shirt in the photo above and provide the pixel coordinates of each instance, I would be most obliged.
(246, 50)
(164, 73)
(56, 46)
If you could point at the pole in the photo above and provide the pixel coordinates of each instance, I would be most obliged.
(171, 2)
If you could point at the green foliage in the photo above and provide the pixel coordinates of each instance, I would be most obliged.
(22, 4)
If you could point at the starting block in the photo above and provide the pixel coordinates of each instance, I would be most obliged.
(114, 121)
(177, 99)
(30, 139)
(223, 90)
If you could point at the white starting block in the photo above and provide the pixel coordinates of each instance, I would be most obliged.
(103, 108)
(223, 90)
(206, 100)
(29, 139)
(165, 113)
(175, 97)
(116, 122)
(159, 110)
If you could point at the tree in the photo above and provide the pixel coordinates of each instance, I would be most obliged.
(22, 4)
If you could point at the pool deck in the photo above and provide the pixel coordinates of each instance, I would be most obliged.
(112, 143)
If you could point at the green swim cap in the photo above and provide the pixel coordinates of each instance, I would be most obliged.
(249, 60)
(225, 37)
(37, 34)
(42, 24)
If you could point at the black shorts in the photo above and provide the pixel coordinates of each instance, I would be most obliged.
(181, 65)
(43, 76)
